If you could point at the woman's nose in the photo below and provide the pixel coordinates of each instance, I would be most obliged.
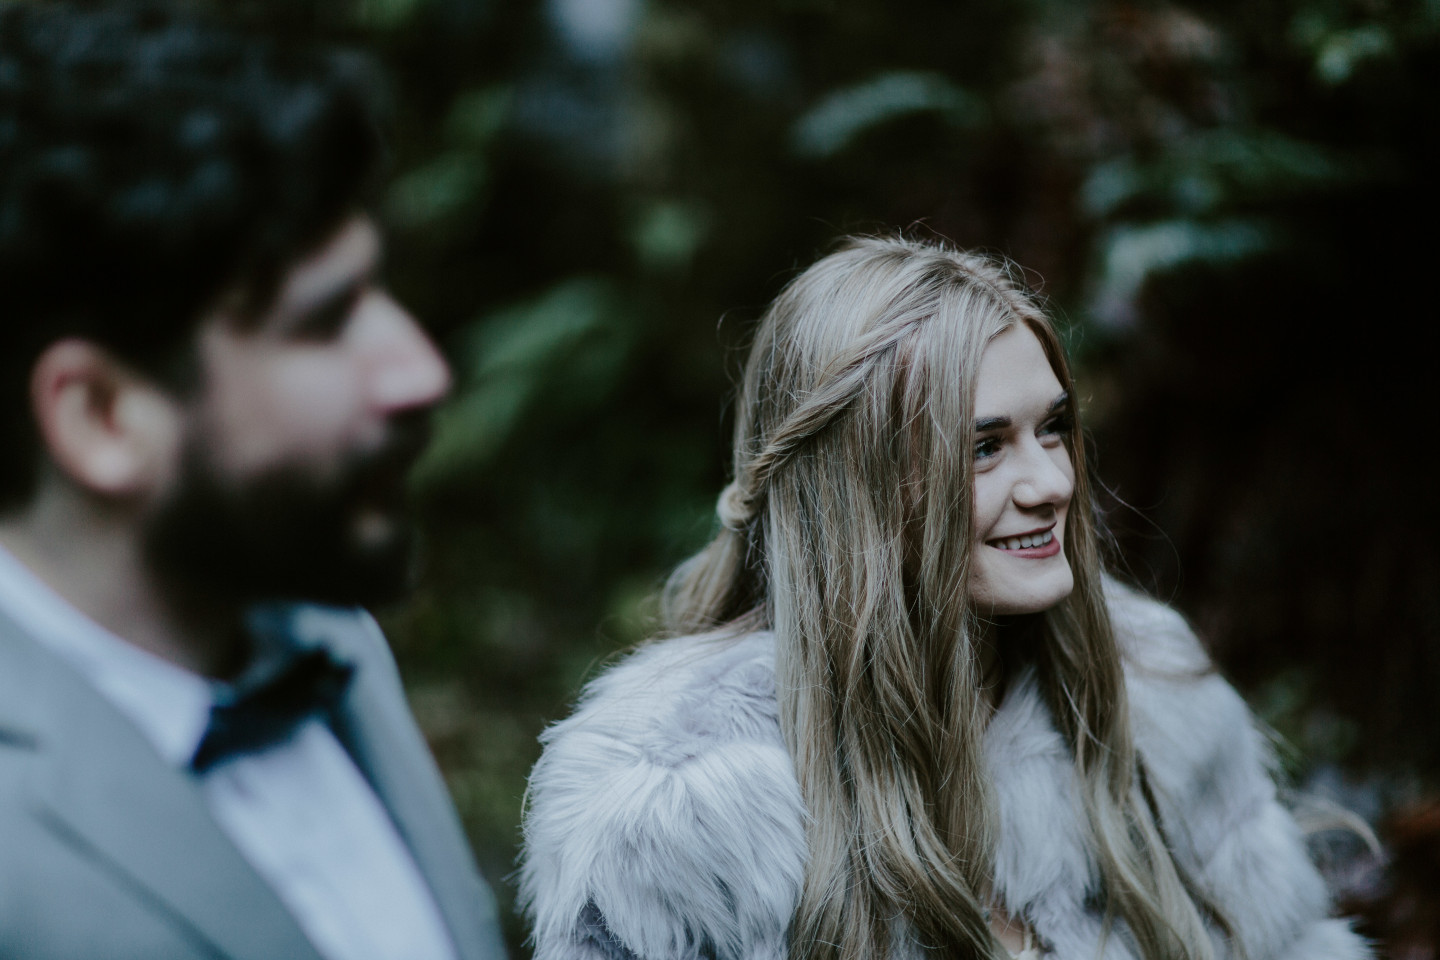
(1046, 477)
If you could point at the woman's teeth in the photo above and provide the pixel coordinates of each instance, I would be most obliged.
(1021, 543)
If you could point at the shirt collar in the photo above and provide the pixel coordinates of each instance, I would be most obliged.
(169, 704)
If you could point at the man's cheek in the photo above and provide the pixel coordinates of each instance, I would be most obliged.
(302, 426)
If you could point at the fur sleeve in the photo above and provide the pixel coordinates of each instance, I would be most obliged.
(664, 818)
(1209, 768)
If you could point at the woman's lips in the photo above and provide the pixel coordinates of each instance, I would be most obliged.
(1031, 546)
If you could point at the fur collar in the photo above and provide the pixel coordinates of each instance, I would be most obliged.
(665, 820)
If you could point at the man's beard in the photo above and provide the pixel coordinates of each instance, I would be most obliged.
(286, 533)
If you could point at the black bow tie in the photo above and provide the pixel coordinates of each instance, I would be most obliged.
(267, 704)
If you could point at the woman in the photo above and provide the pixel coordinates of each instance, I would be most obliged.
(902, 712)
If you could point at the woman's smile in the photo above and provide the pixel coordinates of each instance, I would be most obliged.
(1028, 546)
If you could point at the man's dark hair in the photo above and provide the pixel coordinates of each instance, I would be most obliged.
(150, 162)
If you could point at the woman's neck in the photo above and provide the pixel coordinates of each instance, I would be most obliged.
(999, 648)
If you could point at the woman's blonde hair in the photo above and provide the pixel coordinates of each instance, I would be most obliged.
(847, 531)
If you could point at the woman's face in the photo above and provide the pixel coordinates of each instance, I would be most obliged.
(1023, 479)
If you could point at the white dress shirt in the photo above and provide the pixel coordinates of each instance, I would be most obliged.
(300, 812)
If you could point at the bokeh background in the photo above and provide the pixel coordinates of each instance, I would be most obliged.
(1231, 207)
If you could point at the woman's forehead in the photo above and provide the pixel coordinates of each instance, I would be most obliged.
(1014, 375)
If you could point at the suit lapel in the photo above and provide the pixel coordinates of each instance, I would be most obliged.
(101, 787)
(376, 727)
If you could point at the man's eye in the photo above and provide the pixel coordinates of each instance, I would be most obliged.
(987, 447)
(327, 321)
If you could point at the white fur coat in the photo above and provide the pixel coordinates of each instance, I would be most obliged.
(665, 821)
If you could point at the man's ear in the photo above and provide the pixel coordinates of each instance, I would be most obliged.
(104, 426)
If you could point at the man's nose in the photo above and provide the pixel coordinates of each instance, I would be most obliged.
(406, 369)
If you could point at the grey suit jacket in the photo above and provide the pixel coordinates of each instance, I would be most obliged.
(106, 851)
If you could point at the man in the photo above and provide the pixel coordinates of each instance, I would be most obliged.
(207, 406)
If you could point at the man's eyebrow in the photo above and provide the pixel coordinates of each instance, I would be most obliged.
(1001, 423)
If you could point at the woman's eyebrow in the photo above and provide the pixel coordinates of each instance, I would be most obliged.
(1001, 423)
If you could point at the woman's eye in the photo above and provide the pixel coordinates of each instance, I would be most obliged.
(987, 447)
(1059, 425)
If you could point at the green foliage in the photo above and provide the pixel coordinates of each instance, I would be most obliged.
(386, 14)
(1132, 254)
(1209, 170)
(843, 115)
(451, 184)
(564, 349)
(668, 233)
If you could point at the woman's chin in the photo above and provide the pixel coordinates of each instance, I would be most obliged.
(1034, 594)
